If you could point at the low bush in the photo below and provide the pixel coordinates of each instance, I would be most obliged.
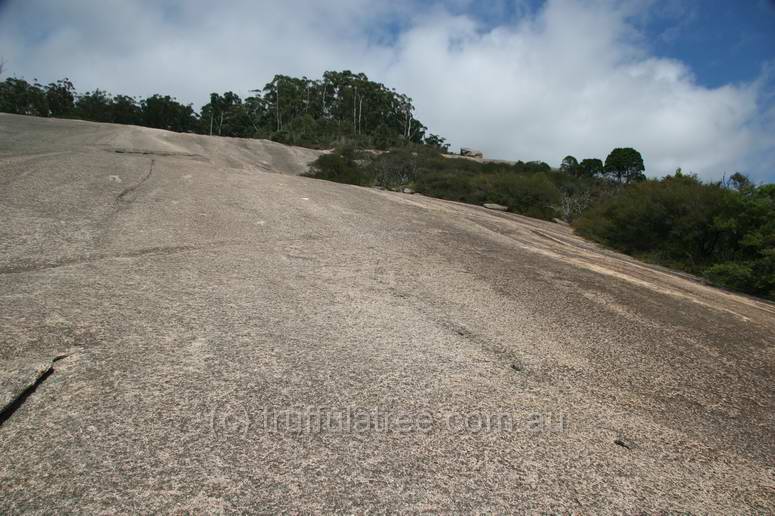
(724, 234)
(527, 188)
(341, 166)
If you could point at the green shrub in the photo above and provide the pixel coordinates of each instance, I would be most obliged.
(447, 185)
(529, 194)
(732, 275)
(526, 188)
(673, 216)
(726, 235)
(341, 166)
(723, 233)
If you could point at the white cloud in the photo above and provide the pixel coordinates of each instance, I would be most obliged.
(572, 81)
(575, 78)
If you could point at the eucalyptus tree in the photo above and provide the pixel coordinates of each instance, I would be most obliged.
(625, 165)
(590, 167)
(60, 96)
(569, 165)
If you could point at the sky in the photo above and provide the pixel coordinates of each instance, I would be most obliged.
(689, 83)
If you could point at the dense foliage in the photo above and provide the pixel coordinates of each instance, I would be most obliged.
(341, 107)
(722, 231)
(531, 188)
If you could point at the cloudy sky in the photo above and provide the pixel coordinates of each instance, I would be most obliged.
(688, 83)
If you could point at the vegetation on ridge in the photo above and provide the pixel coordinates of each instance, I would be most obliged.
(723, 231)
(340, 107)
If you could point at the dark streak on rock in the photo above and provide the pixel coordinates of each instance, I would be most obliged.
(134, 187)
(12, 407)
(165, 154)
(32, 267)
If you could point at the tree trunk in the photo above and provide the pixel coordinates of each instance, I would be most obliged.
(277, 107)
(360, 114)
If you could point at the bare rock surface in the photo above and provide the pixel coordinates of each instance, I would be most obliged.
(18, 376)
(215, 305)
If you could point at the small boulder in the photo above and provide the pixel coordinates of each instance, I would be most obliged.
(408, 191)
(493, 206)
(471, 153)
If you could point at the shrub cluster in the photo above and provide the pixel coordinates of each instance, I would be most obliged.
(532, 188)
(723, 231)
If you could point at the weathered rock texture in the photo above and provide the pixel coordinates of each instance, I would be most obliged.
(197, 292)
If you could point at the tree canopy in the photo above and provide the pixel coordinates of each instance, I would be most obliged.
(569, 165)
(590, 167)
(339, 107)
(625, 165)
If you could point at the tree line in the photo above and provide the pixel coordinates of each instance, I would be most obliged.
(340, 107)
(621, 165)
